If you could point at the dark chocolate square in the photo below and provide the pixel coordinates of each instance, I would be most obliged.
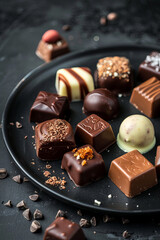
(95, 131)
(63, 229)
(83, 171)
(47, 106)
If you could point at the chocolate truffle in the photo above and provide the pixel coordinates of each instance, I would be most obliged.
(136, 132)
(115, 74)
(101, 102)
(150, 67)
(83, 165)
(49, 105)
(63, 229)
(96, 132)
(157, 161)
(132, 173)
(53, 138)
(51, 45)
(146, 97)
(74, 83)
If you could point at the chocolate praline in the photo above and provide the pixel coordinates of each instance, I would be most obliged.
(101, 102)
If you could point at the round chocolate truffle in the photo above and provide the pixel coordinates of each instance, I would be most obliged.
(101, 102)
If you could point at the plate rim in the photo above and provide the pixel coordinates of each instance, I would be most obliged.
(43, 67)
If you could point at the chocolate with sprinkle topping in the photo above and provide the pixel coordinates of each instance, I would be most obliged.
(35, 226)
(3, 173)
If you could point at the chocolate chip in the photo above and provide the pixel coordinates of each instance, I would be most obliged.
(125, 220)
(18, 125)
(107, 219)
(79, 212)
(21, 205)
(103, 20)
(60, 213)
(27, 214)
(25, 179)
(66, 27)
(8, 204)
(37, 214)
(93, 221)
(35, 226)
(17, 179)
(34, 197)
(84, 223)
(3, 173)
(125, 234)
(112, 16)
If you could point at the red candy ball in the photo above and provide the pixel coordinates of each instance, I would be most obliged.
(51, 36)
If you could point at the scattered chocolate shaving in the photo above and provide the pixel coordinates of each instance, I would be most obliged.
(60, 213)
(21, 205)
(18, 125)
(25, 137)
(107, 219)
(35, 226)
(8, 204)
(84, 223)
(112, 16)
(37, 214)
(66, 27)
(125, 221)
(25, 179)
(34, 197)
(3, 173)
(103, 20)
(11, 123)
(48, 166)
(33, 163)
(93, 221)
(17, 178)
(79, 212)
(27, 214)
(46, 173)
(125, 234)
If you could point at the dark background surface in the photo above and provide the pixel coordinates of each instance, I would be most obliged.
(22, 24)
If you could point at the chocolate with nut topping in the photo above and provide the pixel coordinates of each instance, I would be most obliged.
(115, 74)
(53, 138)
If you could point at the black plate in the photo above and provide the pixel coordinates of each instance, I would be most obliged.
(22, 150)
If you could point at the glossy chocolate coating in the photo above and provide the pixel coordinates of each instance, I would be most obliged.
(146, 97)
(150, 67)
(49, 51)
(83, 175)
(49, 105)
(157, 161)
(53, 138)
(63, 229)
(132, 173)
(101, 102)
(96, 132)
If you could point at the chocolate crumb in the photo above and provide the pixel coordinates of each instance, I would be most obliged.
(3, 173)
(66, 27)
(25, 179)
(37, 214)
(94, 232)
(21, 205)
(103, 20)
(18, 125)
(60, 213)
(125, 221)
(25, 137)
(107, 219)
(54, 181)
(84, 223)
(48, 166)
(11, 123)
(93, 221)
(8, 204)
(27, 214)
(46, 173)
(34, 197)
(79, 212)
(97, 203)
(33, 127)
(17, 178)
(35, 226)
(125, 234)
(112, 16)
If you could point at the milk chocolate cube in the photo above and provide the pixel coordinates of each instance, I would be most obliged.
(132, 173)
(95, 131)
(150, 67)
(53, 138)
(157, 161)
(146, 97)
(74, 82)
(84, 165)
(63, 229)
(49, 105)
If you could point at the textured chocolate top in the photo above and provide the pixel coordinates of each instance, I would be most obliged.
(113, 67)
(153, 61)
